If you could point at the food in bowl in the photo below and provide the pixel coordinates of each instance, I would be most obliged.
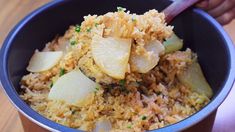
(116, 72)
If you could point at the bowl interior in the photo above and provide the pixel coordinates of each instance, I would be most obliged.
(197, 32)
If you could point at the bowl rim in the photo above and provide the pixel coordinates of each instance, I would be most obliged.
(40, 120)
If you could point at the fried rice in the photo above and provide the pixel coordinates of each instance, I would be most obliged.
(143, 102)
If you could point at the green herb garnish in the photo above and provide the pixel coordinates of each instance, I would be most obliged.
(88, 29)
(129, 126)
(73, 42)
(51, 85)
(97, 88)
(77, 28)
(122, 86)
(121, 8)
(96, 24)
(122, 82)
(144, 117)
(62, 71)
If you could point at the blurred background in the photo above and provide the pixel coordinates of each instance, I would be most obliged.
(12, 11)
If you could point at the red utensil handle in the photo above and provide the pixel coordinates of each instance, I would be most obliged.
(177, 7)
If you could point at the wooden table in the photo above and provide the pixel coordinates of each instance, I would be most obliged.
(11, 11)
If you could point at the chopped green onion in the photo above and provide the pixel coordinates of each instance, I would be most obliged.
(62, 71)
(144, 117)
(121, 8)
(122, 82)
(97, 88)
(88, 29)
(122, 86)
(129, 126)
(78, 28)
(96, 24)
(73, 42)
(51, 85)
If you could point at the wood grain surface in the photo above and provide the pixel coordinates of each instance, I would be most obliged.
(12, 11)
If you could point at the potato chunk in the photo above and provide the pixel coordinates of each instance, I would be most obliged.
(111, 55)
(72, 87)
(173, 43)
(145, 62)
(194, 78)
(43, 61)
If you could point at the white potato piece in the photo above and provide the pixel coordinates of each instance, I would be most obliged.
(194, 78)
(145, 62)
(173, 43)
(43, 61)
(111, 55)
(103, 125)
(72, 87)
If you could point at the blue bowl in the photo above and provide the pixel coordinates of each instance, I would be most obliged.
(200, 32)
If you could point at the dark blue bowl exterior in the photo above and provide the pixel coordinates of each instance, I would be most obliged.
(11, 53)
